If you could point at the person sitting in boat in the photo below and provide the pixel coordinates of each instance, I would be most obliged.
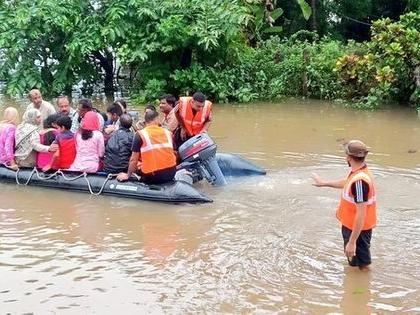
(47, 137)
(85, 106)
(193, 115)
(167, 103)
(46, 109)
(153, 148)
(118, 147)
(90, 146)
(64, 106)
(7, 137)
(141, 123)
(63, 158)
(27, 141)
(123, 105)
(113, 112)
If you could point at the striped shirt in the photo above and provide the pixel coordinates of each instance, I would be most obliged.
(360, 191)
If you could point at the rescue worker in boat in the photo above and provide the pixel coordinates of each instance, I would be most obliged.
(193, 115)
(357, 208)
(152, 153)
(167, 103)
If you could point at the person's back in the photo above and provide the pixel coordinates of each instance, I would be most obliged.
(89, 145)
(7, 136)
(152, 153)
(27, 142)
(118, 147)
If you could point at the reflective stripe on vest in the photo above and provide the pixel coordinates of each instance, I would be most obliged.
(346, 212)
(194, 123)
(150, 146)
(347, 188)
(156, 151)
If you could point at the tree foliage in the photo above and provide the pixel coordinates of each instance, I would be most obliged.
(231, 49)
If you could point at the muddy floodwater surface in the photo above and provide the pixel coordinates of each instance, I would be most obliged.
(266, 245)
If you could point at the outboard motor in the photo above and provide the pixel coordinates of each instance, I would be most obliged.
(199, 153)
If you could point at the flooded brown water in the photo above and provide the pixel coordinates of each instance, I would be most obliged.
(266, 245)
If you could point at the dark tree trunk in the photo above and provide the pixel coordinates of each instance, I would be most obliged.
(106, 61)
(314, 26)
(305, 72)
(186, 58)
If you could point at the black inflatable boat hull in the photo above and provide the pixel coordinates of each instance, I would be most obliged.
(177, 191)
(235, 165)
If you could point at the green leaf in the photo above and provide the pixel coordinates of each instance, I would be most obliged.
(306, 9)
(276, 13)
(274, 29)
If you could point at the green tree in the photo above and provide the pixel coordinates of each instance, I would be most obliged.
(52, 44)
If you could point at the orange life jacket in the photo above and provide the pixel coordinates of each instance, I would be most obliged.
(157, 151)
(347, 209)
(193, 123)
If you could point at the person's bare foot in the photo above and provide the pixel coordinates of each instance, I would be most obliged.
(14, 167)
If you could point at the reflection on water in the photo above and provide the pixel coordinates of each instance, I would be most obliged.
(266, 245)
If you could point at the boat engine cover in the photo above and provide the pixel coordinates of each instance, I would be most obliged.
(198, 148)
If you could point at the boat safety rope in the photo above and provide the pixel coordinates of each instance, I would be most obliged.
(59, 172)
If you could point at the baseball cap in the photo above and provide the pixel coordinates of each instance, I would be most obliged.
(356, 148)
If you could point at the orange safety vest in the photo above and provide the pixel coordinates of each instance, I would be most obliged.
(193, 123)
(347, 209)
(157, 151)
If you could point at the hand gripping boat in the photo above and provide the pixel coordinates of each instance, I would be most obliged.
(198, 157)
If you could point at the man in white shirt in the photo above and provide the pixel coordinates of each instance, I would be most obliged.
(37, 102)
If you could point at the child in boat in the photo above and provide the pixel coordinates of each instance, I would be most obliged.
(47, 137)
(90, 146)
(64, 157)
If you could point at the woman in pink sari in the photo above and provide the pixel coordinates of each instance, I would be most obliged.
(90, 146)
(7, 137)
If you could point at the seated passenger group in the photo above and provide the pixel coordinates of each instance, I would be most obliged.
(86, 141)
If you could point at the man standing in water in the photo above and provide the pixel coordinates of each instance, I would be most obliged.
(357, 208)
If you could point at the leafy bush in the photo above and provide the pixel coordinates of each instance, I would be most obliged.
(386, 71)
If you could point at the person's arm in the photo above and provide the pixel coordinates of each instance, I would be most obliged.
(100, 145)
(53, 161)
(358, 223)
(360, 192)
(172, 121)
(9, 145)
(319, 182)
(36, 143)
(207, 123)
(181, 122)
(132, 167)
(134, 159)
